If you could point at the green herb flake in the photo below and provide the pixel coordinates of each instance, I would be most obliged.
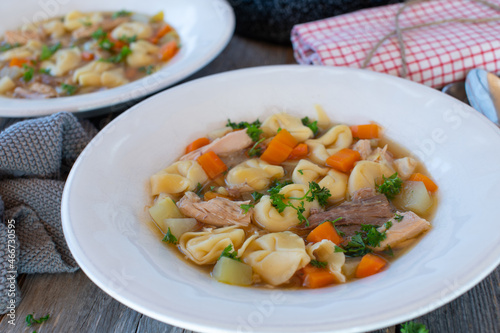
(356, 247)
(169, 238)
(45, 71)
(373, 236)
(147, 69)
(389, 251)
(106, 44)
(390, 186)
(99, 34)
(398, 217)
(69, 89)
(253, 129)
(128, 40)
(340, 233)
(413, 327)
(229, 253)
(318, 264)
(7, 46)
(319, 193)
(30, 319)
(256, 196)
(48, 51)
(246, 207)
(313, 125)
(29, 71)
(339, 249)
(121, 13)
(300, 171)
(124, 52)
(198, 189)
(387, 225)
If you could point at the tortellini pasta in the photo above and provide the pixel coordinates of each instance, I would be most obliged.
(90, 74)
(268, 217)
(291, 123)
(63, 61)
(179, 177)
(276, 257)
(31, 50)
(254, 174)
(75, 20)
(143, 54)
(334, 181)
(130, 29)
(6, 84)
(337, 138)
(325, 251)
(205, 247)
(366, 174)
(55, 28)
(323, 119)
(113, 78)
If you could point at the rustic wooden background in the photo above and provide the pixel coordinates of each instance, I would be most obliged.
(75, 304)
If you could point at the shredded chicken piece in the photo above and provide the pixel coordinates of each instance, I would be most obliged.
(363, 147)
(21, 37)
(405, 167)
(410, 226)
(35, 91)
(381, 155)
(229, 143)
(218, 211)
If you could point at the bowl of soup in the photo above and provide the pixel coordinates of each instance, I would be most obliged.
(80, 57)
(287, 198)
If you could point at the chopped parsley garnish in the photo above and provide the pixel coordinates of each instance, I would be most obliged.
(339, 249)
(390, 186)
(228, 252)
(128, 40)
(300, 171)
(86, 23)
(124, 52)
(318, 264)
(388, 225)
(48, 51)
(315, 192)
(212, 188)
(69, 89)
(121, 13)
(313, 125)
(341, 234)
(246, 207)
(169, 238)
(106, 44)
(99, 34)
(389, 250)
(276, 186)
(398, 217)
(198, 189)
(360, 244)
(30, 319)
(253, 129)
(7, 46)
(28, 72)
(256, 196)
(147, 69)
(413, 327)
(44, 71)
(256, 150)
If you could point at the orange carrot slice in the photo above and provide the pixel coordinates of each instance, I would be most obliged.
(286, 138)
(370, 264)
(276, 152)
(429, 184)
(369, 131)
(344, 159)
(315, 277)
(162, 32)
(212, 164)
(87, 56)
(198, 143)
(18, 62)
(300, 151)
(168, 50)
(325, 230)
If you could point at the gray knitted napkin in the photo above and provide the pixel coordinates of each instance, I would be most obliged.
(35, 157)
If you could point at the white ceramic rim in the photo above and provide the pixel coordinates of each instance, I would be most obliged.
(484, 268)
(200, 50)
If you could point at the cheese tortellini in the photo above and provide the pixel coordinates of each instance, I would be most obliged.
(205, 247)
(90, 74)
(276, 257)
(130, 29)
(254, 174)
(268, 217)
(31, 50)
(324, 251)
(55, 28)
(63, 61)
(366, 174)
(335, 181)
(76, 20)
(179, 177)
(337, 138)
(285, 121)
(143, 54)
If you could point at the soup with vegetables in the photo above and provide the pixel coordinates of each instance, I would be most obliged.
(292, 202)
(83, 52)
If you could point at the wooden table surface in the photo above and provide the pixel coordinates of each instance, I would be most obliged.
(75, 304)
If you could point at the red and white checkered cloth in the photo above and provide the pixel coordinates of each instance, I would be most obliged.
(436, 55)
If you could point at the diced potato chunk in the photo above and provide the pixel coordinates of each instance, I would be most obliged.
(6, 84)
(178, 226)
(415, 197)
(164, 209)
(230, 271)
